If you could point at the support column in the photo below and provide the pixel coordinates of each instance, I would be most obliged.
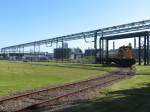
(34, 52)
(139, 50)
(145, 50)
(148, 48)
(34, 49)
(95, 46)
(62, 52)
(4, 54)
(100, 51)
(134, 42)
(107, 54)
(23, 50)
(39, 50)
(19, 52)
(9, 52)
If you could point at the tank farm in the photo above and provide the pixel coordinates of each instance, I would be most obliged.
(64, 96)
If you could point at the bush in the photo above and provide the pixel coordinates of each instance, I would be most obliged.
(88, 60)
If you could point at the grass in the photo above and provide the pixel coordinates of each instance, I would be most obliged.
(132, 95)
(16, 77)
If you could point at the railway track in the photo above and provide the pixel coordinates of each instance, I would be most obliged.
(57, 95)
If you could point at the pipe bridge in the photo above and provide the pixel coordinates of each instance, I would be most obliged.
(130, 30)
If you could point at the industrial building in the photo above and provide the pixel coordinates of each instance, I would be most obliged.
(62, 53)
(76, 53)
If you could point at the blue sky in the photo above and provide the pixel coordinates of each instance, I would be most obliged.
(29, 20)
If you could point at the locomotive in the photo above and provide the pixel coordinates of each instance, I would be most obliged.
(124, 57)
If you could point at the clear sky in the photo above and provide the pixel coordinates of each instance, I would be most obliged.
(29, 20)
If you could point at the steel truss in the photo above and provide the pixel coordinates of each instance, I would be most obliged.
(125, 28)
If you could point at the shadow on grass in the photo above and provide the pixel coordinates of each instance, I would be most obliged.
(99, 67)
(143, 73)
(81, 66)
(131, 100)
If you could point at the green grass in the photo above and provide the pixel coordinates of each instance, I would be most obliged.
(132, 95)
(16, 77)
(97, 67)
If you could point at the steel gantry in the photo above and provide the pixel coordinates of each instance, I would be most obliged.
(101, 33)
(141, 34)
